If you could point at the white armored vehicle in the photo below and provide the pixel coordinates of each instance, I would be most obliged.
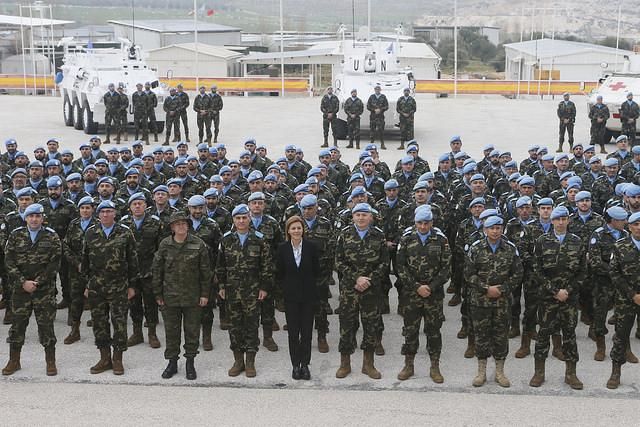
(85, 78)
(614, 88)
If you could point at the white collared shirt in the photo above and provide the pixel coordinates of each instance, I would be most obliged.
(297, 253)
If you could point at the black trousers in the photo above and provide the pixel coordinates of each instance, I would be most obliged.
(299, 317)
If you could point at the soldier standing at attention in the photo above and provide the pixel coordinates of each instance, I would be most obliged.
(181, 284)
(152, 103)
(353, 108)
(110, 262)
(599, 114)
(377, 105)
(567, 115)
(423, 262)
(122, 114)
(184, 104)
(629, 113)
(406, 108)
(32, 259)
(111, 101)
(216, 106)
(140, 106)
(492, 269)
(244, 273)
(171, 106)
(202, 107)
(329, 106)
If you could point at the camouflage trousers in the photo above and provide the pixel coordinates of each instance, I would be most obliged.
(140, 122)
(566, 128)
(353, 128)
(42, 302)
(626, 312)
(358, 307)
(109, 307)
(76, 305)
(598, 132)
(111, 122)
(603, 297)
(207, 311)
(65, 283)
(216, 123)
(491, 328)
(204, 123)
(122, 121)
(244, 316)
(172, 122)
(185, 122)
(268, 311)
(322, 308)
(406, 128)
(151, 120)
(144, 303)
(558, 316)
(326, 123)
(6, 287)
(629, 129)
(175, 319)
(531, 305)
(586, 297)
(465, 307)
(417, 310)
(376, 126)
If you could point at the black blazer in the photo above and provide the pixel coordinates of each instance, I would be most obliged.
(298, 283)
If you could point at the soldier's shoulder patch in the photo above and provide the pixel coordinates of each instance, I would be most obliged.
(124, 226)
(466, 247)
(593, 241)
(156, 217)
(3, 226)
(476, 243)
(50, 230)
(258, 234)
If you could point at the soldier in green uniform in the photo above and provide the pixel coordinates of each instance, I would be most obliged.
(110, 262)
(216, 106)
(244, 272)
(111, 101)
(423, 264)
(123, 107)
(202, 107)
(406, 108)
(172, 107)
(140, 103)
(629, 114)
(492, 269)
(353, 108)
(599, 114)
(361, 260)
(182, 285)
(183, 97)
(329, 105)
(567, 115)
(32, 259)
(377, 105)
(152, 103)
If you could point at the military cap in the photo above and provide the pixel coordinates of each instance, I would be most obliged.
(39, 148)
(477, 177)
(355, 176)
(559, 212)
(18, 171)
(311, 180)
(196, 200)
(10, 141)
(349, 199)
(617, 213)
(215, 178)
(177, 217)
(161, 188)
(322, 166)
(175, 181)
(101, 162)
(244, 153)
(522, 201)
(620, 188)
(213, 151)
(203, 147)
(313, 172)
(533, 147)
(224, 169)
(137, 143)
(594, 159)
(257, 195)
(86, 200)
(167, 150)
(423, 213)
(561, 156)
(444, 157)
(241, 209)
(250, 141)
(113, 150)
(299, 150)
(567, 174)
(308, 201)
(420, 185)
(632, 190)
(545, 201)
(281, 160)
(233, 162)
(460, 154)
(136, 162)
(391, 184)
(527, 180)
(411, 148)
(271, 177)
(590, 148)
(75, 176)
(511, 164)
(548, 158)
(53, 162)
(334, 148)
(290, 147)
(370, 147)
(514, 176)
(634, 218)
(35, 164)
(636, 149)
(34, 209)
(469, 168)
(324, 153)
(543, 150)
(455, 138)
(489, 147)
(25, 192)
(494, 153)
(505, 153)
(426, 176)
(358, 191)
(622, 138)
(363, 155)
(221, 147)
(255, 176)
(147, 155)
(106, 179)
(492, 220)
(66, 152)
(106, 204)
(210, 192)
(191, 157)
(611, 162)
(181, 143)
(407, 159)
(261, 147)
(478, 201)
(574, 180)
(88, 168)
(302, 188)
(131, 171)
(21, 154)
(363, 207)
(577, 144)
(54, 182)
(487, 213)
(136, 196)
(125, 149)
(367, 159)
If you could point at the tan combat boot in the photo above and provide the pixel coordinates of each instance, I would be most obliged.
(323, 345)
(367, 366)
(570, 376)
(600, 349)
(525, 346)
(407, 371)
(267, 341)
(345, 366)
(74, 335)
(50, 358)
(538, 375)
(614, 379)
(207, 344)
(238, 364)
(154, 342)
(434, 371)
(628, 354)
(559, 150)
(481, 376)
(118, 368)
(514, 331)
(470, 352)
(275, 327)
(501, 378)
(13, 364)
(104, 364)
(379, 350)
(250, 365)
(137, 337)
(557, 347)
(325, 144)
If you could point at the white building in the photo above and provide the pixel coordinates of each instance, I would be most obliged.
(560, 60)
(156, 33)
(179, 60)
(436, 32)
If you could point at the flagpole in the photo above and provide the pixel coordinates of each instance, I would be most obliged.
(281, 49)
(195, 39)
(455, 48)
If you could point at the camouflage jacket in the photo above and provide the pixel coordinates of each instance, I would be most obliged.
(596, 112)
(352, 106)
(625, 268)
(390, 218)
(147, 237)
(6, 206)
(223, 217)
(111, 101)
(600, 250)
(584, 229)
(355, 257)
(140, 103)
(202, 104)
(74, 240)
(183, 98)
(321, 233)
(172, 104)
(60, 217)
(377, 102)
(559, 265)
(216, 103)
(271, 232)
(519, 234)
(602, 190)
(209, 233)
(567, 110)
(329, 104)
(629, 110)
(406, 106)
(39, 260)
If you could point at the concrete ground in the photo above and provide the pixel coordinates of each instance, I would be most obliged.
(272, 398)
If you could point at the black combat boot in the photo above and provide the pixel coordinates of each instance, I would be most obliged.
(171, 369)
(191, 369)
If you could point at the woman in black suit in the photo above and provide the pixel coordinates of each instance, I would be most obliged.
(297, 268)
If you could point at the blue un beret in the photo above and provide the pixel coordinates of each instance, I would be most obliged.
(136, 196)
(493, 220)
(241, 209)
(34, 209)
(559, 212)
(308, 201)
(618, 213)
(423, 213)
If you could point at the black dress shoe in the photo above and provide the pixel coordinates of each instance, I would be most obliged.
(191, 370)
(171, 369)
(304, 373)
(295, 374)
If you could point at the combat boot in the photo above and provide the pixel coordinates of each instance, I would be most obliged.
(155, 137)
(50, 358)
(454, 301)
(559, 150)
(538, 375)
(345, 366)
(238, 364)
(200, 140)
(62, 304)
(137, 337)
(603, 150)
(104, 364)
(171, 369)
(224, 323)
(335, 141)
(275, 326)
(153, 338)
(382, 146)
(614, 379)
(570, 376)
(557, 347)
(250, 365)
(379, 348)
(628, 354)
(525, 346)
(462, 333)
(470, 352)
(367, 366)
(323, 346)
(401, 147)
(358, 143)
(407, 371)
(125, 136)
(117, 140)
(191, 369)
(267, 340)
(481, 376)
(325, 144)
(434, 371)
(186, 136)
(501, 378)
(74, 335)
(13, 364)
(118, 368)
(108, 139)
(350, 143)
(8, 315)
(600, 349)
(207, 345)
(514, 331)
(3, 304)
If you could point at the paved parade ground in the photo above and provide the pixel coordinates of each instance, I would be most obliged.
(273, 398)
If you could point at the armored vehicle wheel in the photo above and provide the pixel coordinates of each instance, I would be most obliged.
(77, 115)
(67, 111)
(90, 127)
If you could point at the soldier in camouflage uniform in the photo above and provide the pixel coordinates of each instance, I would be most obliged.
(604, 186)
(329, 105)
(244, 273)
(111, 101)
(202, 107)
(123, 107)
(182, 286)
(423, 264)
(361, 259)
(32, 260)
(567, 116)
(140, 103)
(152, 103)
(629, 114)
(559, 268)
(183, 98)
(377, 105)
(406, 108)
(353, 108)
(492, 269)
(110, 261)
(172, 106)
(216, 106)
(599, 114)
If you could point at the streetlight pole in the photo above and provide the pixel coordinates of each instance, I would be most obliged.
(281, 49)
(455, 48)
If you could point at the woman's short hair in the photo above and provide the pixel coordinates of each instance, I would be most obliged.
(289, 223)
